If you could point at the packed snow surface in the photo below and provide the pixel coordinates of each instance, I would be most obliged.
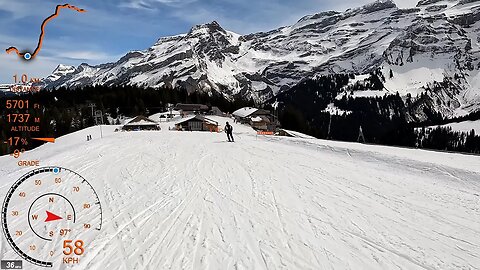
(191, 200)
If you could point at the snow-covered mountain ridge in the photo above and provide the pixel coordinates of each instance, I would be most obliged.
(436, 41)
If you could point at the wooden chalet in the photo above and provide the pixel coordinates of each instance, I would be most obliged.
(197, 123)
(141, 123)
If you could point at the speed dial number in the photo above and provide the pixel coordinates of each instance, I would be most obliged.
(50, 215)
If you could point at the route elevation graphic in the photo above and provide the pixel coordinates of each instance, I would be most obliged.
(31, 55)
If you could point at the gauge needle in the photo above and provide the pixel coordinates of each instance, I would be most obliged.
(52, 217)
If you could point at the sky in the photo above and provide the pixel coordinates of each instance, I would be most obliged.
(111, 28)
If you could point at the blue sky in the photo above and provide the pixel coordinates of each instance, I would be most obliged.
(110, 28)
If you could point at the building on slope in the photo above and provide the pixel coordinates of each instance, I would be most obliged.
(141, 123)
(260, 122)
(259, 119)
(166, 116)
(197, 123)
(187, 109)
(216, 111)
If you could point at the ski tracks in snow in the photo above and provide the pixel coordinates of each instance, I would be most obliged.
(176, 200)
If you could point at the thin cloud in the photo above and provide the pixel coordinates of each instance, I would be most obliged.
(40, 67)
(86, 56)
(137, 5)
(22, 9)
(154, 4)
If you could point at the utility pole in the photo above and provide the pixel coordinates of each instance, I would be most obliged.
(329, 126)
(275, 115)
(99, 114)
(361, 138)
(92, 105)
(274, 121)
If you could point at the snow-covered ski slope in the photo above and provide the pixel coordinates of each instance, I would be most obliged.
(191, 200)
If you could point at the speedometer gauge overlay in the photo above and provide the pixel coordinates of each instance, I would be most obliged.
(50, 215)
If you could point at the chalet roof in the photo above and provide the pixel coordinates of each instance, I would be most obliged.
(249, 111)
(244, 112)
(256, 119)
(191, 107)
(141, 121)
(197, 118)
(157, 116)
(262, 112)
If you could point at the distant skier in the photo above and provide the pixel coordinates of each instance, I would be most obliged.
(229, 131)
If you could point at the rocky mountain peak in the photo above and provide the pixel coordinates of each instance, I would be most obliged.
(318, 16)
(63, 68)
(465, 2)
(208, 27)
(427, 2)
(377, 6)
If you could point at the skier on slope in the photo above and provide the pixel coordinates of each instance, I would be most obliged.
(229, 131)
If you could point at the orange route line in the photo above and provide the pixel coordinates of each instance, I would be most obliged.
(42, 34)
(51, 140)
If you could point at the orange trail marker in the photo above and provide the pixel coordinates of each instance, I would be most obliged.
(50, 140)
(27, 55)
(52, 217)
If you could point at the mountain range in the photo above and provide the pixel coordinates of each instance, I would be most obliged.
(433, 48)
